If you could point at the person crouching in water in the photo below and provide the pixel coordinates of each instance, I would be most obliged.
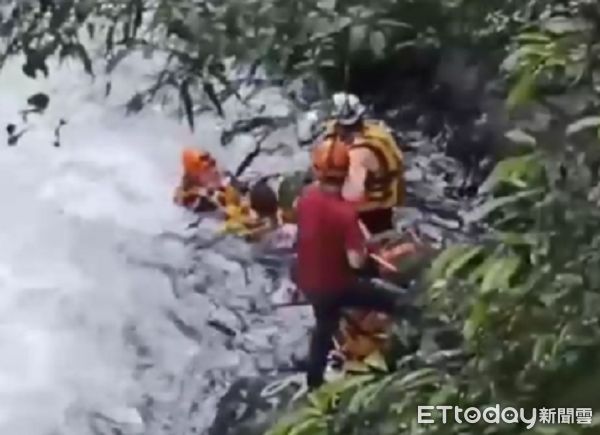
(375, 183)
(200, 179)
(330, 249)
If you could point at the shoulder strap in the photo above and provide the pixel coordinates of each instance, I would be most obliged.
(387, 171)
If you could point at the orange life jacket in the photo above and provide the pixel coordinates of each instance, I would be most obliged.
(362, 333)
(384, 188)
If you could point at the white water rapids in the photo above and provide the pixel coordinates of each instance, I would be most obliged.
(87, 331)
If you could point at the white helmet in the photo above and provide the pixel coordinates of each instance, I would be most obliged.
(347, 108)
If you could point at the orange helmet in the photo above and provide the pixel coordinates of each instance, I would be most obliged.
(195, 161)
(331, 160)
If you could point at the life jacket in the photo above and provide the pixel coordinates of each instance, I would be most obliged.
(241, 220)
(189, 194)
(201, 178)
(384, 188)
(200, 198)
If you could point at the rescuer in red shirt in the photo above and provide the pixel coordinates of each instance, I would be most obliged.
(331, 248)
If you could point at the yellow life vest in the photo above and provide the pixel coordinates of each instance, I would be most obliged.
(240, 220)
(384, 188)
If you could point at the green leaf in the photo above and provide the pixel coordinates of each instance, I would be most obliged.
(543, 345)
(515, 238)
(443, 260)
(561, 25)
(533, 37)
(417, 378)
(548, 430)
(343, 22)
(499, 273)
(479, 213)
(583, 124)
(378, 43)
(389, 22)
(480, 271)
(523, 91)
(358, 37)
(290, 421)
(476, 319)
(343, 385)
(514, 170)
(365, 396)
(308, 426)
(443, 396)
(520, 137)
(511, 266)
(459, 262)
(405, 44)
(320, 401)
(361, 398)
(327, 4)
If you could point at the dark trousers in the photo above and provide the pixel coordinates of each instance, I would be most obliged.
(327, 308)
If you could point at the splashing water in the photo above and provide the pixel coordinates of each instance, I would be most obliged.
(92, 333)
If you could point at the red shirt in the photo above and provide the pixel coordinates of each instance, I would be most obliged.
(327, 228)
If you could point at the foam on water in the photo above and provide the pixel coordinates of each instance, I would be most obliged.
(72, 220)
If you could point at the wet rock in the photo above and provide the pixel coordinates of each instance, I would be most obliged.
(293, 349)
(407, 217)
(414, 174)
(432, 207)
(246, 410)
(445, 223)
(432, 232)
(260, 339)
(425, 193)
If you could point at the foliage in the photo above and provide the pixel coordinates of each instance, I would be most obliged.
(527, 296)
(205, 40)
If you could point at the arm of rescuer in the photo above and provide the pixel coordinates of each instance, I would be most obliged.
(357, 249)
(354, 186)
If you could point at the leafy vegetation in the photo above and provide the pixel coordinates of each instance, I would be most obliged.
(203, 41)
(526, 297)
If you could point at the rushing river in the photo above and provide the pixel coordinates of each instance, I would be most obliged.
(106, 322)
